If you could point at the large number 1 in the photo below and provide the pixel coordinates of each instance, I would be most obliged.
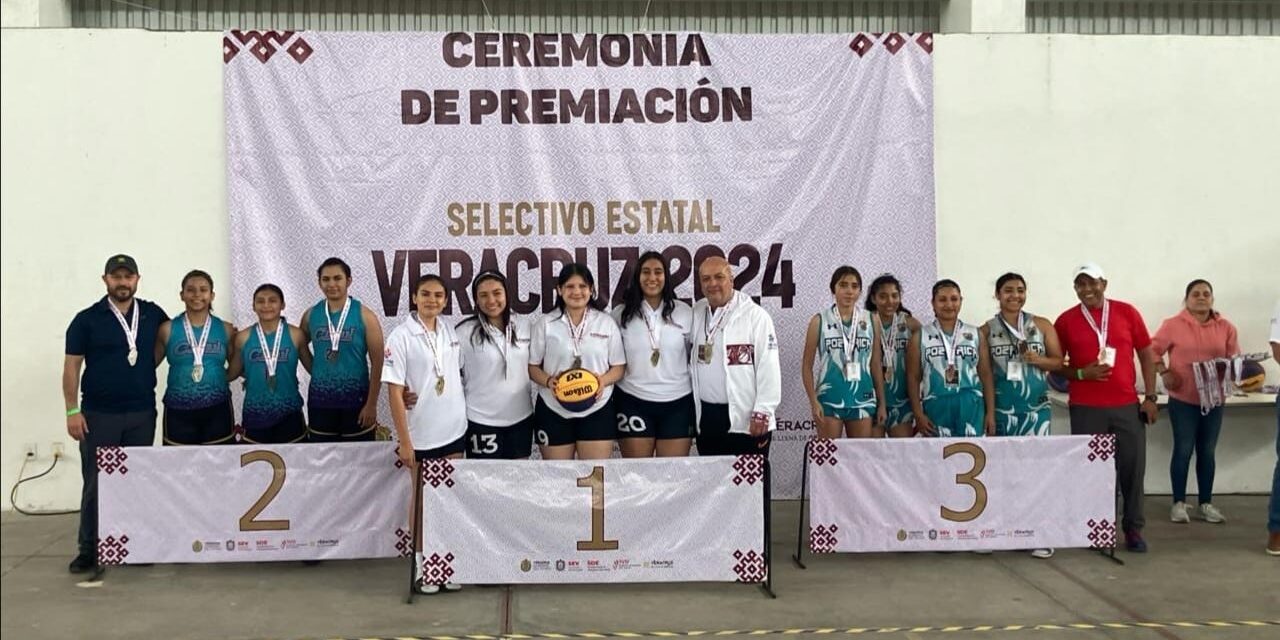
(247, 521)
(969, 478)
(597, 542)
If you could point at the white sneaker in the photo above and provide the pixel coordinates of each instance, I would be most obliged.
(451, 587)
(428, 589)
(1211, 514)
(1042, 553)
(1179, 512)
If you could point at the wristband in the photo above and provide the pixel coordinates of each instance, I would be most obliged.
(72, 412)
(1079, 374)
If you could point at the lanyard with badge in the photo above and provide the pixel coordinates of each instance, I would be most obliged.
(852, 368)
(433, 339)
(272, 356)
(655, 336)
(130, 330)
(335, 331)
(1014, 368)
(1106, 354)
(197, 347)
(503, 339)
(709, 332)
(951, 375)
(575, 336)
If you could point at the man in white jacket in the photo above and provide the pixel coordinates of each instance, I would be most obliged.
(737, 378)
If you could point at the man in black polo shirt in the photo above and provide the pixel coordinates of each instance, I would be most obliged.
(115, 340)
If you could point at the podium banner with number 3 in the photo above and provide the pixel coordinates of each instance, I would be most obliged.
(655, 520)
(252, 503)
(944, 494)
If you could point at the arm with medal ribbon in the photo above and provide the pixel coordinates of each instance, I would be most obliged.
(915, 374)
(877, 370)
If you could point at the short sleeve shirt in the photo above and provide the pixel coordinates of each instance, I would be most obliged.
(553, 349)
(1127, 333)
(109, 384)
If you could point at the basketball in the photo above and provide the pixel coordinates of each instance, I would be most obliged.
(1252, 375)
(576, 389)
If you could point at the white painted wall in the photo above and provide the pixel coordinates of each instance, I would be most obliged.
(1050, 150)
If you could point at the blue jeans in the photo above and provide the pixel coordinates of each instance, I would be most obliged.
(1273, 521)
(1193, 432)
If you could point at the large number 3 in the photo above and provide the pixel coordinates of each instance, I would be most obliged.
(248, 521)
(597, 542)
(969, 478)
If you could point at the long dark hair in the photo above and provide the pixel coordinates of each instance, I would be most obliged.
(583, 271)
(633, 296)
(479, 335)
(841, 272)
(884, 280)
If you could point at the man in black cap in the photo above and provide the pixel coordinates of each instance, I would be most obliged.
(114, 339)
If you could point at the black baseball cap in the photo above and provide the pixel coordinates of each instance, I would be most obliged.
(120, 261)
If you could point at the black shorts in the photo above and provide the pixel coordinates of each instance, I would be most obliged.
(337, 425)
(714, 438)
(289, 429)
(500, 443)
(639, 418)
(210, 425)
(443, 451)
(554, 429)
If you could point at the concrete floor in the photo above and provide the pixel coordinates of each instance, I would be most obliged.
(1196, 572)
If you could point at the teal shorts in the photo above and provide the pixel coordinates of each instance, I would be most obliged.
(1032, 423)
(898, 414)
(846, 413)
(956, 416)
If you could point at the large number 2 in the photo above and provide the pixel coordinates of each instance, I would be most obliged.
(597, 542)
(247, 521)
(969, 478)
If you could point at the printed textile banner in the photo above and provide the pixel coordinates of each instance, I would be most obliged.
(952, 494)
(452, 153)
(655, 520)
(252, 503)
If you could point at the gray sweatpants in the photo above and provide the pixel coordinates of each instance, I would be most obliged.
(1131, 453)
(134, 429)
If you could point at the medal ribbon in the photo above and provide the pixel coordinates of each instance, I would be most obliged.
(335, 333)
(131, 327)
(197, 348)
(949, 345)
(1106, 322)
(848, 338)
(887, 342)
(433, 338)
(272, 356)
(577, 333)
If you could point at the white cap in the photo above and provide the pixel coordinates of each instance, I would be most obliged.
(1090, 269)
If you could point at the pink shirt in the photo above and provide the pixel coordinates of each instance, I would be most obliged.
(1186, 340)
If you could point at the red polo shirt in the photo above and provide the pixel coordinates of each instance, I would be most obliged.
(1126, 333)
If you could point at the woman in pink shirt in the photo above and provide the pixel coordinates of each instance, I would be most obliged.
(1196, 334)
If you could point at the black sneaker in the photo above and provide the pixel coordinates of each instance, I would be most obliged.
(84, 563)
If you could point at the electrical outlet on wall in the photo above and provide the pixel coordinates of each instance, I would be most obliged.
(57, 448)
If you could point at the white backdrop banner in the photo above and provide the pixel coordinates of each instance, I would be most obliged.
(656, 520)
(252, 503)
(944, 494)
(450, 153)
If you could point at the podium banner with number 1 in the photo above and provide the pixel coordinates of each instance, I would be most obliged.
(945, 494)
(654, 520)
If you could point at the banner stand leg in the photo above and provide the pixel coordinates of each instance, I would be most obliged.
(767, 585)
(804, 494)
(1110, 554)
(415, 530)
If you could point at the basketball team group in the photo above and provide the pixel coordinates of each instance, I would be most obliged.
(651, 376)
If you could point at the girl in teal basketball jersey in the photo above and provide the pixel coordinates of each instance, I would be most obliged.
(1024, 349)
(897, 329)
(197, 399)
(270, 352)
(950, 372)
(847, 399)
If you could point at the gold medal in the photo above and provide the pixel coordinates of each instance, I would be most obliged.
(197, 373)
(952, 376)
(332, 356)
(704, 353)
(439, 385)
(654, 357)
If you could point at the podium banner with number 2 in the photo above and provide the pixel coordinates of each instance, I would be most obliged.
(944, 494)
(654, 520)
(252, 503)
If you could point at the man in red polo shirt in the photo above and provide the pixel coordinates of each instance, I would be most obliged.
(1100, 338)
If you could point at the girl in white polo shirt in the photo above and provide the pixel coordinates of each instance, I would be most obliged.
(654, 402)
(495, 374)
(575, 335)
(422, 354)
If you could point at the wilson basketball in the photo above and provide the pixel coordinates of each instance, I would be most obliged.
(1252, 375)
(576, 389)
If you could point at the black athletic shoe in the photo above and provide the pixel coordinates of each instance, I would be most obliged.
(84, 563)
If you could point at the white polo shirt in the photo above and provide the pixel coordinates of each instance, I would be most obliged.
(495, 373)
(669, 380)
(552, 348)
(437, 419)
